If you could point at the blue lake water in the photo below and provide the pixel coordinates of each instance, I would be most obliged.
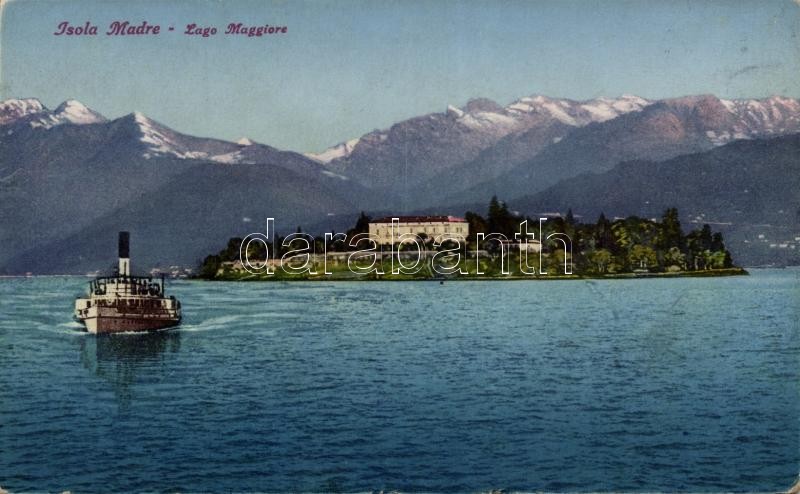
(632, 385)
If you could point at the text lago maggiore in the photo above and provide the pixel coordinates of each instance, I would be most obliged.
(126, 28)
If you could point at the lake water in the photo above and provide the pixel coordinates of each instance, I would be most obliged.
(633, 385)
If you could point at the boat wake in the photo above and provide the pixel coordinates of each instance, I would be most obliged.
(71, 324)
(212, 323)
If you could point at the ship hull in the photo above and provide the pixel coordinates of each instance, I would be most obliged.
(123, 324)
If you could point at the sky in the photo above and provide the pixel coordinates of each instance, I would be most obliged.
(348, 67)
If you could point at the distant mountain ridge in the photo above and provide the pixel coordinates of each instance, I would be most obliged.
(746, 181)
(457, 153)
(746, 188)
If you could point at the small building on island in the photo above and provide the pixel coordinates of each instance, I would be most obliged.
(427, 226)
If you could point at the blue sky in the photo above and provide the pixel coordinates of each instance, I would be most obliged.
(347, 67)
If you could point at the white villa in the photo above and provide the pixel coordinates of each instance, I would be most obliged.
(431, 226)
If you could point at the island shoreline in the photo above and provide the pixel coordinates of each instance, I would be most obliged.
(710, 273)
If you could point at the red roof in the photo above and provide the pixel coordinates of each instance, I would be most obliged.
(421, 219)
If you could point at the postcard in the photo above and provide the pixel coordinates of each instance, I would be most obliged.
(351, 246)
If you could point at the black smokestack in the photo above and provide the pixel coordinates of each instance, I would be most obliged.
(124, 244)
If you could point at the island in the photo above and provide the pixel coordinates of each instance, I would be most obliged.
(500, 245)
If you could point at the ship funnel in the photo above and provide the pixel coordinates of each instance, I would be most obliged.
(124, 254)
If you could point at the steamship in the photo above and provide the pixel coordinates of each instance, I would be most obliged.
(123, 302)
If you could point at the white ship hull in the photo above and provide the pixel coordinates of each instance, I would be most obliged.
(133, 313)
(122, 324)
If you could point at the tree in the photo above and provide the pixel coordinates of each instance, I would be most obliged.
(705, 237)
(500, 219)
(570, 219)
(708, 259)
(210, 266)
(717, 244)
(231, 251)
(728, 262)
(698, 242)
(603, 238)
(674, 257)
(362, 225)
(337, 244)
(642, 256)
(601, 258)
(494, 209)
(477, 224)
(670, 233)
(622, 236)
(556, 260)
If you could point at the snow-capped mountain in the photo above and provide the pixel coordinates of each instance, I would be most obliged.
(338, 151)
(491, 122)
(660, 131)
(579, 113)
(405, 157)
(155, 139)
(724, 120)
(161, 140)
(31, 112)
(12, 110)
(775, 115)
(75, 112)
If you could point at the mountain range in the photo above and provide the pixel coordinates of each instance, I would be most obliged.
(60, 176)
(69, 177)
(534, 142)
